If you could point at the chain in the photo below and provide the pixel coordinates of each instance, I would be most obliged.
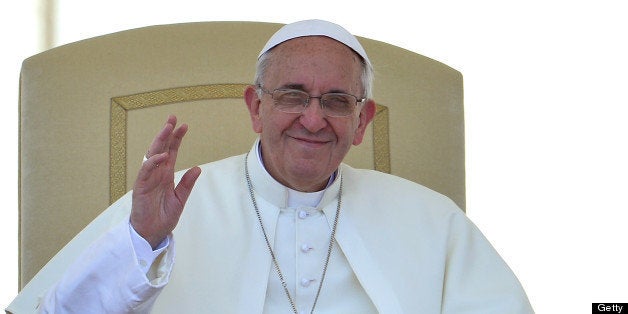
(270, 248)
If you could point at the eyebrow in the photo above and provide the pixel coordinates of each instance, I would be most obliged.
(294, 86)
(301, 87)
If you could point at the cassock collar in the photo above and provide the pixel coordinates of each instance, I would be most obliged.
(275, 192)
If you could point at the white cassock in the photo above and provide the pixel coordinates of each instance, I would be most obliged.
(400, 248)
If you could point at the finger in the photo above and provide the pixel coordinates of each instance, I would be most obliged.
(161, 140)
(175, 142)
(151, 165)
(184, 188)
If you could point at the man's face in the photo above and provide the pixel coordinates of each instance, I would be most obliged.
(302, 150)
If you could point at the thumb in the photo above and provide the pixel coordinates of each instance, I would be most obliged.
(184, 188)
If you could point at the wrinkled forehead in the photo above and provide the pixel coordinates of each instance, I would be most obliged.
(315, 28)
(305, 60)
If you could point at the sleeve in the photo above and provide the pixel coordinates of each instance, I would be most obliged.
(477, 280)
(144, 252)
(107, 278)
(115, 272)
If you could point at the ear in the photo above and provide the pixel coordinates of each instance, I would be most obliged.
(253, 104)
(367, 113)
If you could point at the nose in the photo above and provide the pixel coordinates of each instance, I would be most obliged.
(313, 117)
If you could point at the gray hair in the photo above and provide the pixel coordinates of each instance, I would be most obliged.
(263, 62)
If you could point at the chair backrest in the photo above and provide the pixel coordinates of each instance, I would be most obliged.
(88, 111)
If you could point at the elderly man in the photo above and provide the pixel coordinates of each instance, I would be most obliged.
(288, 227)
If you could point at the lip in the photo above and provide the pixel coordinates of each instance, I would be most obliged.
(313, 143)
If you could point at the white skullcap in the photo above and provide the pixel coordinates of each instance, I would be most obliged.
(315, 28)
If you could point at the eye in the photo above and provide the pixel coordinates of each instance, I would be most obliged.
(293, 94)
(291, 97)
(337, 100)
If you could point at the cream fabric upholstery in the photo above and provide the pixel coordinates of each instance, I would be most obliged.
(88, 111)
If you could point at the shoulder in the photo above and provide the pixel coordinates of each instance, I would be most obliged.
(396, 195)
(387, 185)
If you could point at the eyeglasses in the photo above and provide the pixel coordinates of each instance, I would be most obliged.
(295, 101)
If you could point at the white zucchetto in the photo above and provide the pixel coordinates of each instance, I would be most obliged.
(315, 28)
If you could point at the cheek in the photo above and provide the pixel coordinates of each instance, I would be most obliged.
(272, 123)
(346, 133)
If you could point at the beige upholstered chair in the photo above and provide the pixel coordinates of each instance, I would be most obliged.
(88, 111)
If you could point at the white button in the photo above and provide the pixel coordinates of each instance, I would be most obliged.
(306, 248)
(142, 263)
(306, 282)
(303, 214)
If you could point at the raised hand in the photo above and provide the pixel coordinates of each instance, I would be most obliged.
(157, 203)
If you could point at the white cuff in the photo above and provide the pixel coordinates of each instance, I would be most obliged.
(143, 250)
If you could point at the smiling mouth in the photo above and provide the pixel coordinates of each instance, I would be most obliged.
(310, 142)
